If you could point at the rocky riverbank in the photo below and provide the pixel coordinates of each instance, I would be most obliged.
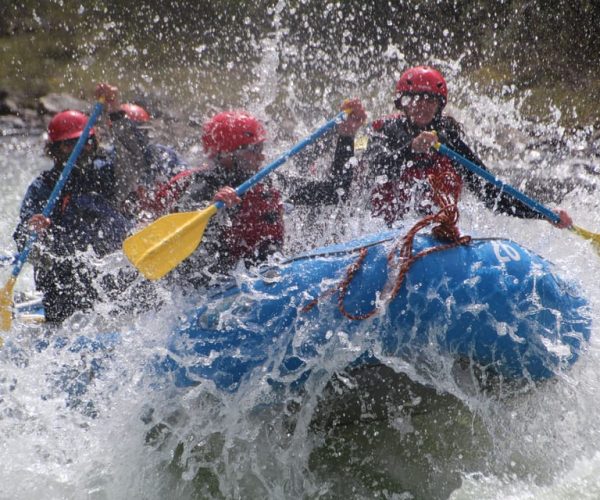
(19, 118)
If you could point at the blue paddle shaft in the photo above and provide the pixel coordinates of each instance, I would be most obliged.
(256, 178)
(476, 169)
(60, 184)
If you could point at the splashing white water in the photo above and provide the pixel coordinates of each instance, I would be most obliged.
(126, 437)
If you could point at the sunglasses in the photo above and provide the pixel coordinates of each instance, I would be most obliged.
(408, 99)
(251, 148)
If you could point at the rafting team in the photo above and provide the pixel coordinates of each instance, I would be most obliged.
(112, 191)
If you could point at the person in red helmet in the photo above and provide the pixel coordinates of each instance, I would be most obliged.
(140, 164)
(83, 219)
(252, 228)
(135, 113)
(399, 168)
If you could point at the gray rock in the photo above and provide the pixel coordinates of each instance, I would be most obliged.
(55, 103)
(12, 125)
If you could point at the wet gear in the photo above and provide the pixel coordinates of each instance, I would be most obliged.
(398, 179)
(83, 220)
(140, 166)
(248, 232)
(401, 179)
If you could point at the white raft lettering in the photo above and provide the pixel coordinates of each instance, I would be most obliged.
(505, 252)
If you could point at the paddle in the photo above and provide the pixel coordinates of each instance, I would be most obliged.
(160, 247)
(534, 205)
(6, 294)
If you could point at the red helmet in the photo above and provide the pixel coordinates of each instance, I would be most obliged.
(231, 130)
(67, 125)
(135, 113)
(423, 79)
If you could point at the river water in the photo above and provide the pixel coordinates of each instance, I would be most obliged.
(385, 434)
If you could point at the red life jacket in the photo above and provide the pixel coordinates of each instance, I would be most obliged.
(159, 201)
(256, 225)
(426, 185)
(256, 228)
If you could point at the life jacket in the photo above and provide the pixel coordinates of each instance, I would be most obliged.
(256, 225)
(159, 200)
(426, 184)
(256, 228)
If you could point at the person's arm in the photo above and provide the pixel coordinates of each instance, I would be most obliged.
(31, 211)
(332, 189)
(182, 192)
(492, 196)
(335, 187)
(499, 201)
(387, 153)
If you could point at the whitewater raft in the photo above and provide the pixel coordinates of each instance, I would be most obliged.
(491, 303)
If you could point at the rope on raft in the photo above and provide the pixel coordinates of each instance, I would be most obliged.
(401, 257)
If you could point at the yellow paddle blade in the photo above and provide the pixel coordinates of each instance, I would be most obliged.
(588, 235)
(6, 305)
(161, 246)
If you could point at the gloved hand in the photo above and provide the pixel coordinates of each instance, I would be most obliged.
(356, 119)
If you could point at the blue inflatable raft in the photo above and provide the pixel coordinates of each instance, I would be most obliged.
(490, 302)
